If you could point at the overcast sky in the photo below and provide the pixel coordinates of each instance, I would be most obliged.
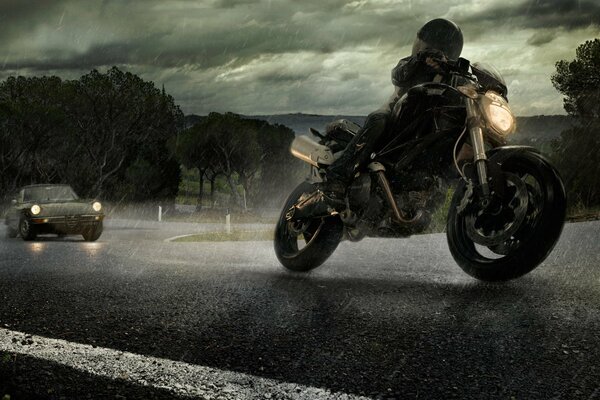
(279, 56)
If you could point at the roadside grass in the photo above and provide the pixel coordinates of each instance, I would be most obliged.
(580, 213)
(234, 236)
(438, 219)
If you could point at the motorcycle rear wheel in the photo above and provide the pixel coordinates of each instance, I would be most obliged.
(535, 237)
(304, 245)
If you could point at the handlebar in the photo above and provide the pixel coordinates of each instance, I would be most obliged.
(459, 66)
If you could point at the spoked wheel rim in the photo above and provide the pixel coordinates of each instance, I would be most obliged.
(24, 227)
(523, 180)
(302, 244)
(498, 222)
(536, 203)
(297, 236)
(536, 236)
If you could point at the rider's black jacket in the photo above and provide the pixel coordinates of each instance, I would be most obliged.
(409, 72)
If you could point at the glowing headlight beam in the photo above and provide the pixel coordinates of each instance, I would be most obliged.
(499, 117)
(97, 206)
(35, 209)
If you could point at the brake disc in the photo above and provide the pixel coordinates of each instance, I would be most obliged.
(489, 228)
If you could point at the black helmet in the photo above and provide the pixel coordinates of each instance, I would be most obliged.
(439, 34)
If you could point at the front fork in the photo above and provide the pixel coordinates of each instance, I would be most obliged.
(475, 126)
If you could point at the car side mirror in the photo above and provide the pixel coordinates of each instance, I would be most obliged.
(13, 201)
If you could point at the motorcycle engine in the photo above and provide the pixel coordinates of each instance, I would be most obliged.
(414, 193)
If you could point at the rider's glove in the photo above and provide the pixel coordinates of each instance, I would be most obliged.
(433, 59)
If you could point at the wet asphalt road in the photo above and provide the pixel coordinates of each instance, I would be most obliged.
(382, 318)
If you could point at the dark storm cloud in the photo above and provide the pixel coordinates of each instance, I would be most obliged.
(220, 32)
(13, 10)
(569, 14)
(14, 13)
(541, 38)
(281, 51)
(97, 56)
(213, 37)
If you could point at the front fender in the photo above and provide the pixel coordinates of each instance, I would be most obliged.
(499, 154)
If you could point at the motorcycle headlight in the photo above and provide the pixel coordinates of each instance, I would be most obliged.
(97, 206)
(35, 209)
(498, 115)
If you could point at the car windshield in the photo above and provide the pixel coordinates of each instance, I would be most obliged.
(48, 194)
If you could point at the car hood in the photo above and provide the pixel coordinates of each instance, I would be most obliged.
(68, 208)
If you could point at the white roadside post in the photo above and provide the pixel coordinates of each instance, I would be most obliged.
(228, 222)
(244, 193)
(159, 213)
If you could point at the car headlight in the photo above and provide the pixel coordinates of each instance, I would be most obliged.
(97, 206)
(498, 115)
(35, 209)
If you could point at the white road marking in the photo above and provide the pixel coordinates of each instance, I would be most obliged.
(171, 239)
(178, 377)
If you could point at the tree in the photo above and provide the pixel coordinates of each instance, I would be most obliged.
(577, 156)
(237, 154)
(577, 152)
(280, 171)
(116, 114)
(243, 151)
(579, 81)
(105, 134)
(32, 120)
(195, 148)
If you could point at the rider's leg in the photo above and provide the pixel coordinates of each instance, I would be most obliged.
(330, 194)
(359, 150)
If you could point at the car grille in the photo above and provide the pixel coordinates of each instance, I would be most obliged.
(71, 221)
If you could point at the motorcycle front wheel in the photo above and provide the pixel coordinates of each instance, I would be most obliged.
(535, 200)
(302, 245)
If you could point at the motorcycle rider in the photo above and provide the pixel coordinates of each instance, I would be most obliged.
(438, 39)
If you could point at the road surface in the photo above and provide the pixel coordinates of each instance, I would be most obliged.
(132, 316)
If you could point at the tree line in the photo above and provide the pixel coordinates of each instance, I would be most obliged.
(577, 152)
(251, 155)
(104, 133)
(115, 136)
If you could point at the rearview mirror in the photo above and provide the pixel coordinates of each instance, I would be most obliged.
(13, 201)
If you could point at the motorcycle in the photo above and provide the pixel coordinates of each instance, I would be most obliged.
(506, 212)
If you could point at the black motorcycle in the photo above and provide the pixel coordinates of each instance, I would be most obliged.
(507, 210)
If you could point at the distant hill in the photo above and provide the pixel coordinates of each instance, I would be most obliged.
(539, 128)
(299, 123)
(542, 127)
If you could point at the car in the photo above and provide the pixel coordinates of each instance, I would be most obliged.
(53, 209)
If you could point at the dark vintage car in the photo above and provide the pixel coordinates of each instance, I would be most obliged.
(55, 209)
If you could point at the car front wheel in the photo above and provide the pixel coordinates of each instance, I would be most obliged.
(92, 233)
(27, 229)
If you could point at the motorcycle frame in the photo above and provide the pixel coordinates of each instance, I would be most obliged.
(478, 137)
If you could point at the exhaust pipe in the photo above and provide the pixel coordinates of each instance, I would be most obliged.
(311, 152)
